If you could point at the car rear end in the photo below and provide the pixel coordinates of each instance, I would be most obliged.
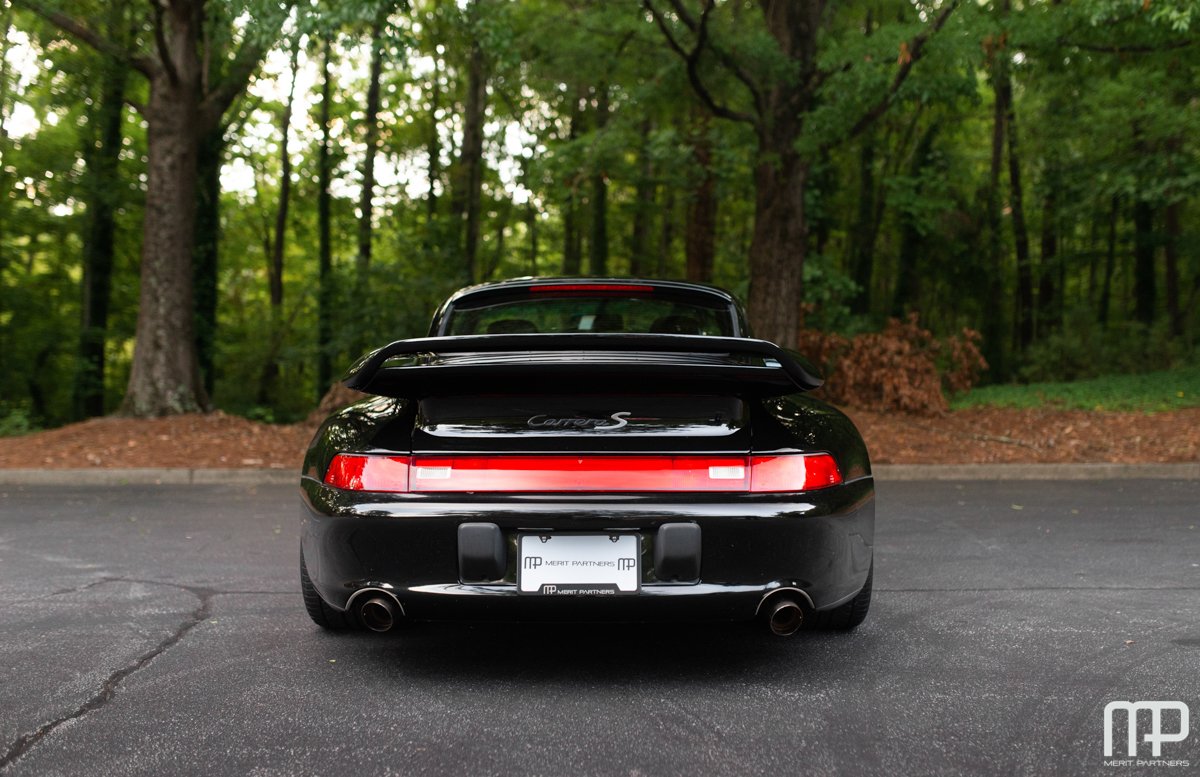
(586, 476)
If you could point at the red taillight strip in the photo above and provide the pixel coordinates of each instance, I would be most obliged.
(632, 288)
(583, 473)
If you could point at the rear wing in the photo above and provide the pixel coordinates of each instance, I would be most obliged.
(542, 363)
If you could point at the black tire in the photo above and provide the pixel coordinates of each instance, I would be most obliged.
(848, 615)
(321, 613)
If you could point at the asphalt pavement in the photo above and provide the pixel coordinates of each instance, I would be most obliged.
(158, 630)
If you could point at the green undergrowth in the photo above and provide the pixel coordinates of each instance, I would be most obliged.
(1149, 392)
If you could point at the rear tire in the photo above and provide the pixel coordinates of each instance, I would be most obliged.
(321, 613)
(845, 617)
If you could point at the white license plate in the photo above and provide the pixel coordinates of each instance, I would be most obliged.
(579, 564)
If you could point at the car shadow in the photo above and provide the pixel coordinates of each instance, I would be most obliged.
(604, 652)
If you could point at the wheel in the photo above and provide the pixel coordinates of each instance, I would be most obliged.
(848, 615)
(322, 614)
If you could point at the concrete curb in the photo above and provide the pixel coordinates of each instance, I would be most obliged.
(144, 477)
(1169, 471)
(883, 472)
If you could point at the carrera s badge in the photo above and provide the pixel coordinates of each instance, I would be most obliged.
(614, 421)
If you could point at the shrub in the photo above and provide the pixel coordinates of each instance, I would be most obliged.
(903, 368)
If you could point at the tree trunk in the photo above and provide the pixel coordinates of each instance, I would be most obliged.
(1049, 313)
(572, 239)
(165, 375)
(700, 230)
(102, 187)
(666, 232)
(471, 161)
(366, 197)
(1173, 242)
(778, 246)
(206, 256)
(1144, 291)
(993, 328)
(325, 301)
(643, 204)
(433, 147)
(598, 246)
(531, 227)
(862, 241)
(908, 274)
(1110, 263)
(270, 372)
(1025, 303)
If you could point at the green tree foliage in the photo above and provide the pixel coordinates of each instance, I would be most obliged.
(597, 152)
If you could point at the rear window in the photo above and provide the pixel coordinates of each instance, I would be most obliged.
(553, 314)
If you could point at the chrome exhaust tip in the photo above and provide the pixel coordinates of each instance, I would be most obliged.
(785, 617)
(378, 613)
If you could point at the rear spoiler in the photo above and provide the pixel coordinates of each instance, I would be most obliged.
(681, 364)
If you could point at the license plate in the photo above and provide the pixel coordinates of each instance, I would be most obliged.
(579, 564)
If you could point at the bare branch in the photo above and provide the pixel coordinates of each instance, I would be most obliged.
(160, 41)
(89, 36)
(911, 51)
(245, 63)
(730, 64)
(1132, 49)
(691, 59)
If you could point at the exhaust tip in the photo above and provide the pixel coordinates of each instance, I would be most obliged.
(785, 617)
(378, 614)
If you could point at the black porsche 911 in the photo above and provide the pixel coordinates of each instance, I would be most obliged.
(587, 449)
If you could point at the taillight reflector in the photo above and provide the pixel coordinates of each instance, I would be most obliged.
(793, 473)
(561, 473)
(358, 472)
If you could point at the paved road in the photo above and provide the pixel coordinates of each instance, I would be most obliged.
(158, 630)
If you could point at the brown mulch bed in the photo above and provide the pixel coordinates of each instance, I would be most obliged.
(976, 436)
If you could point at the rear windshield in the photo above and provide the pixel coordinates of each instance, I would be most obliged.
(585, 313)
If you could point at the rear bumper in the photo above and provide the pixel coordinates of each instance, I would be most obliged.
(819, 544)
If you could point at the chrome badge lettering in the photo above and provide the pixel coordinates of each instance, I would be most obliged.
(614, 421)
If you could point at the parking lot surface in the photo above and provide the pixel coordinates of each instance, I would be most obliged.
(156, 630)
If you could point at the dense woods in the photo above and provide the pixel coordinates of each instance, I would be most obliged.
(209, 203)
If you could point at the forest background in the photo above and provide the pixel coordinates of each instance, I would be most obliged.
(223, 203)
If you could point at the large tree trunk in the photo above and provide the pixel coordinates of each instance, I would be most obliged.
(325, 301)
(102, 187)
(700, 230)
(778, 246)
(165, 375)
